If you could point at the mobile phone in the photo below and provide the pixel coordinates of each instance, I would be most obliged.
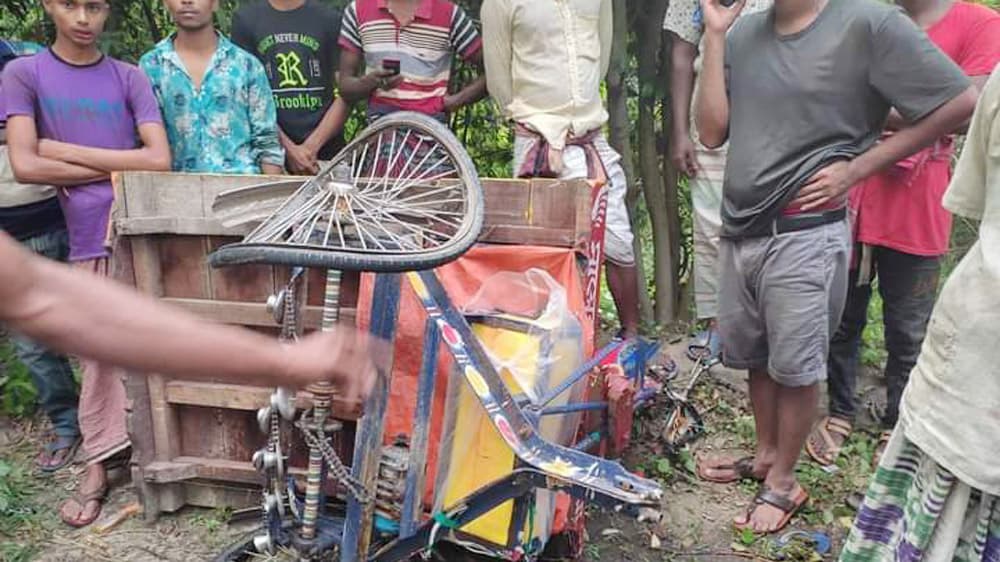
(392, 65)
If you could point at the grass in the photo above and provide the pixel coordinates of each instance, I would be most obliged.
(17, 392)
(24, 522)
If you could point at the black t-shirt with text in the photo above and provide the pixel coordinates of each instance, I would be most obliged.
(299, 51)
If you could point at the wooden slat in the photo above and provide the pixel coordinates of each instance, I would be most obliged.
(252, 283)
(251, 314)
(241, 397)
(183, 271)
(177, 225)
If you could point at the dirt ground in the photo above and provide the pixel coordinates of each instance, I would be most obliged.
(696, 515)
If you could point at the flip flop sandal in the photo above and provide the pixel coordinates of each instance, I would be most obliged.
(68, 444)
(825, 430)
(82, 500)
(742, 470)
(883, 442)
(706, 344)
(786, 504)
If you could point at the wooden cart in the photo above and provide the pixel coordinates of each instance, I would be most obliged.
(192, 441)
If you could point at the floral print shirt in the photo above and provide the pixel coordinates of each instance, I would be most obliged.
(229, 123)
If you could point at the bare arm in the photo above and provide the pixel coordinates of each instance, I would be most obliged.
(711, 112)
(896, 121)
(473, 91)
(835, 180)
(330, 126)
(682, 56)
(154, 155)
(60, 306)
(356, 88)
(31, 167)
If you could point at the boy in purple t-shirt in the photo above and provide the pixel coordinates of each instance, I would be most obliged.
(73, 117)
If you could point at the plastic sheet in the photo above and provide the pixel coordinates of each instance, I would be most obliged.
(466, 283)
(533, 350)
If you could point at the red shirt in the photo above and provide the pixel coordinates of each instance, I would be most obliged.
(901, 208)
(424, 49)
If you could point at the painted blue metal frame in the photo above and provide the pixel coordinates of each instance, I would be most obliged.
(413, 496)
(368, 441)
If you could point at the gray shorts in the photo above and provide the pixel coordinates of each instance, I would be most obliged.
(780, 301)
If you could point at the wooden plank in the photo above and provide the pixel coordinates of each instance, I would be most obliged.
(250, 314)
(218, 433)
(253, 283)
(168, 472)
(155, 202)
(178, 225)
(183, 267)
(242, 397)
(530, 236)
(146, 265)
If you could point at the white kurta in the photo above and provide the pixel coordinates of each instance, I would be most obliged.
(951, 407)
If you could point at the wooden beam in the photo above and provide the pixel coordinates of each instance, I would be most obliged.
(246, 398)
(250, 314)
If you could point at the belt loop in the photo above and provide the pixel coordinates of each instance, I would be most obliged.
(774, 227)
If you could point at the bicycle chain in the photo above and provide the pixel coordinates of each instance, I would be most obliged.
(336, 467)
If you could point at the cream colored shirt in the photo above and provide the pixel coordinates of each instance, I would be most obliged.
(14, 194)
(545, 60)
(951, 407)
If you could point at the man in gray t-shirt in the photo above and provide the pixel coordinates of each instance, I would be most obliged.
(801, 93)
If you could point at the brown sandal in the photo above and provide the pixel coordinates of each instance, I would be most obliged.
(742, 469)
(824, 432)
(82, 500)
(788, 505)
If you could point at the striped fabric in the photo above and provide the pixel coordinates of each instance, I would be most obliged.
(424, 49)
(917, 511)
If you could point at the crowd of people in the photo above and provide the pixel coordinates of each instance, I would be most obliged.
(817, 136)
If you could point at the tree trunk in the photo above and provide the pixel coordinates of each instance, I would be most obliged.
(648, 53)
(681, 294)
(620, 140)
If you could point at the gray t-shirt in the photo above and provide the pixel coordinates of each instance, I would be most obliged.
(799, 102)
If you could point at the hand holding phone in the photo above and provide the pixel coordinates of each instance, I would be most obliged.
(391, 66)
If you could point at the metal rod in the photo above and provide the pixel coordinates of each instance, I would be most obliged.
(572, 408)
(578, 374)
(413, 497)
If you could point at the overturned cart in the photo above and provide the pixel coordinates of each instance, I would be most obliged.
(484, 446)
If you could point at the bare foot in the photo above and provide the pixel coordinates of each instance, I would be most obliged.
(772, 509)
(84, 507)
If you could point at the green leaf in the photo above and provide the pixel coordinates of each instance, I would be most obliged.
(747, 537)
(664, 468)
(4, 469)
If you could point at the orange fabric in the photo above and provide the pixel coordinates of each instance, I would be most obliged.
(461, 279)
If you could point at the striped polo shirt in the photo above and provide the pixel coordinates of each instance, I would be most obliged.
(424, 49)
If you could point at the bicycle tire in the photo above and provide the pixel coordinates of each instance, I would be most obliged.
(251, 252)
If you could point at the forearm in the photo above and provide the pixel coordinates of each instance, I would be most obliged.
(330, 126)
(31, 168)
(62, 309)
(910, 139)
(472, 93)
(682, 85)
(712, 102)
(356, 88)
(109, 160)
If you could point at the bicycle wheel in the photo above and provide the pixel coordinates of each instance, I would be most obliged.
(403, 196)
